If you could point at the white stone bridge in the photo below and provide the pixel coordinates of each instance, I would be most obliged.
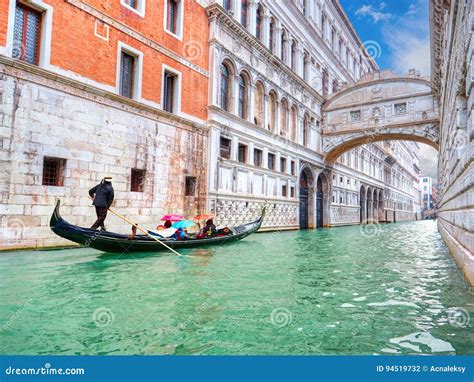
(381, 106)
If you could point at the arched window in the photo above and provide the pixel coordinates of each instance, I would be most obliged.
(225, 88)
(306, 63)
(259, 99)
(243, 97)
(272, 109)
(283, 45)
(306, 130)
(243, 13)
(284, 118)
(259, 23)
(228, 5)
(293, 56)
(293, 123)
(272, 35)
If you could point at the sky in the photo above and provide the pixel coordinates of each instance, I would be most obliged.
(396, 33)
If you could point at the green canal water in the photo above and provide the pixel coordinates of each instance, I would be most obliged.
(391, 289)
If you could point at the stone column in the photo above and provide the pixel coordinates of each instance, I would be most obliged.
(276, 128)
(287, 48)
(299, 128)
(277, 39)
(266, 29)
(251, 103)
(252, 16)
(299, 60)
(215, 137)
(234, 155)
(235, 94)
(237, 10)
(265, 111)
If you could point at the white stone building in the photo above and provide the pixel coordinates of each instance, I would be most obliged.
(452, 58)
(426, 186)
(273, 64)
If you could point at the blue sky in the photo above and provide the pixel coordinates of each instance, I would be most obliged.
(396, 33)
(399, 27)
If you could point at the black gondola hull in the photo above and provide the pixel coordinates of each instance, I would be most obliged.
(117, 243)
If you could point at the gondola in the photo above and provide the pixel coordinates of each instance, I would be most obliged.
(118, 243)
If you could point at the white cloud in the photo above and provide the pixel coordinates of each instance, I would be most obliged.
(412, 10)
(409, 42)
(429, 161)
(382, 6)
(369, 11)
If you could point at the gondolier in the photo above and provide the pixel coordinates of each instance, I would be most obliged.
(102, 196)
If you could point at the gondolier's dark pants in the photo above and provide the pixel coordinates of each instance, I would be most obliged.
(101, 215)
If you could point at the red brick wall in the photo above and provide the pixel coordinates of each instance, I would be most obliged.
(75, 48)
(3, 21)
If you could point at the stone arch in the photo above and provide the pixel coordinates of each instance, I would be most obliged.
(284, 117)
(259, 103)
(345, 146)
(306, 197)
(272, 110)
(226, 84)
(244, 83)
(323, 200)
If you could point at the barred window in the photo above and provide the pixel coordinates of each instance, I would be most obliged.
(169, 84)
(26, 34)
(257, 157)
(53, 171)
(400, 108)
(137, 183)
(190, 186)
(355, 116)
(127, 75)
(225, 148)
(242, 153)
(173, 13)
(271, 161)
(283, 164)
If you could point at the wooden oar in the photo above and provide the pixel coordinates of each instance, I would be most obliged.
(145, 232)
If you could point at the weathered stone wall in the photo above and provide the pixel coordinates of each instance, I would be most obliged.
(453, 78)
(98, 134)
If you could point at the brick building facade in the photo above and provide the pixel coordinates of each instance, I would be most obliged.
(94, 88)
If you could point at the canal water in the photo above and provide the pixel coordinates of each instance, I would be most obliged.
(388, 289)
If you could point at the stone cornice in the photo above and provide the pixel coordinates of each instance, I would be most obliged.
(382, 81)
(216, 11)
(377, 101)
(33, 73)
(136, 35)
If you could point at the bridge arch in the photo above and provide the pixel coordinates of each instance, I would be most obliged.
(380, 107)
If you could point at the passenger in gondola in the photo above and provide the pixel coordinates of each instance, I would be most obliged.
(209, 230)
(167, 225)
(102, 196)
(179, 235)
